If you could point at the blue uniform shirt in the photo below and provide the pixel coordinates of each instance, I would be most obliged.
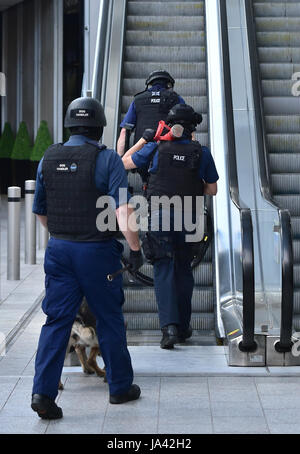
(207, 168)
(130, 117)
(110, 175)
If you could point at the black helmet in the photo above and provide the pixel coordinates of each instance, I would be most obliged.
(159, 74)
(85, 112)
(184, 115)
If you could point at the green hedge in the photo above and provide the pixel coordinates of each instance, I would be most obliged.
(22, 146)
(42, 142)
(6, 142)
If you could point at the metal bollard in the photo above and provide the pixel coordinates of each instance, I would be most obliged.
(13, 233)
(43, 236)
(30, 224)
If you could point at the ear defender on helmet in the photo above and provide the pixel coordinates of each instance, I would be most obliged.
(185, 115)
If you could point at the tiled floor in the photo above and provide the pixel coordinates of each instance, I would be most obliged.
(193, 392)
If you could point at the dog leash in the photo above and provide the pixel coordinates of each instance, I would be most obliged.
(111, 277)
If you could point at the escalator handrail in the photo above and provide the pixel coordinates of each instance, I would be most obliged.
(248, 343)
(287, 306)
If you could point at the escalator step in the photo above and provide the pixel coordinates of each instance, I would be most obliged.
(278, 70)
(165, 54)
(286, 183)
(297, 276)
(138, 300)
(290, 202)
(151, 322)
(179, 70)
(279, 54)
(281, 39)
(285, 162)
(278, 24)
(165, 9)
(165, 38)
(284, 124)
(296, 248)
(283, 142)
(277, 87)
(172, 23)
(296, 226)
(277, 9)
(280, 9)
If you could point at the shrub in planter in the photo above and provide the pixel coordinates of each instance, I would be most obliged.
(42, 142)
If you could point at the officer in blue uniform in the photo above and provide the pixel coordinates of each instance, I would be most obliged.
(184, 168)
(150, 106)
(71, 178)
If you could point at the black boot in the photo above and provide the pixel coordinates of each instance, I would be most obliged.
(183, 335)
(170, 336)
(45, 407)
(133, 394)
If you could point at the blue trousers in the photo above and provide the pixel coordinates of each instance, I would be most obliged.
(174, 280)
(74, 270)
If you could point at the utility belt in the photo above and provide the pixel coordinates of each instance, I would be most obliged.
(156, 248)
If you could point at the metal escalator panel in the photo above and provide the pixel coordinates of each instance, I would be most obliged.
(171, 36)
(278, 38)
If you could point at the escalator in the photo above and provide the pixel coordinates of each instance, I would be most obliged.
(278, 38)
(170, 37)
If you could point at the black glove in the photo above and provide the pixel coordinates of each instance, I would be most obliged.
(135, 260)
(149, 135)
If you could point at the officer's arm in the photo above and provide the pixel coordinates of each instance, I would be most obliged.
(127, 223)
(121, 142)
(43, 220)
(210, 188)
(128, 163)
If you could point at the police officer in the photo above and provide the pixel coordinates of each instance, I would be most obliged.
(71, 179)
(179, 167)
(149, 106)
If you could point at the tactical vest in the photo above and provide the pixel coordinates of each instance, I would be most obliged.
(151, 107)
(177, 171)
(69, 176)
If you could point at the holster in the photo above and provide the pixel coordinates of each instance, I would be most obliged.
(154, 249)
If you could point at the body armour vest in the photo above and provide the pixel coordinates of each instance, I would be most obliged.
(178, 171)
(69, 176)
(151, 107)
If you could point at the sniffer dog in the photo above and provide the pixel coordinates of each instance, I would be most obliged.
(84, 335)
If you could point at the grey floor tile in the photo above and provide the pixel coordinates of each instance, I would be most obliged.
(231, 395)
(240, 425)
(284, 428)
(194, 428)
(282, 416)
(229, 409)
(74, 428)
(281, 401)
(20, 425)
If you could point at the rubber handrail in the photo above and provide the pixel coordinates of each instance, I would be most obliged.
(248, 343)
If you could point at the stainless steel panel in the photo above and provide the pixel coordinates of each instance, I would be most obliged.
(250, 359)
(281, 359)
